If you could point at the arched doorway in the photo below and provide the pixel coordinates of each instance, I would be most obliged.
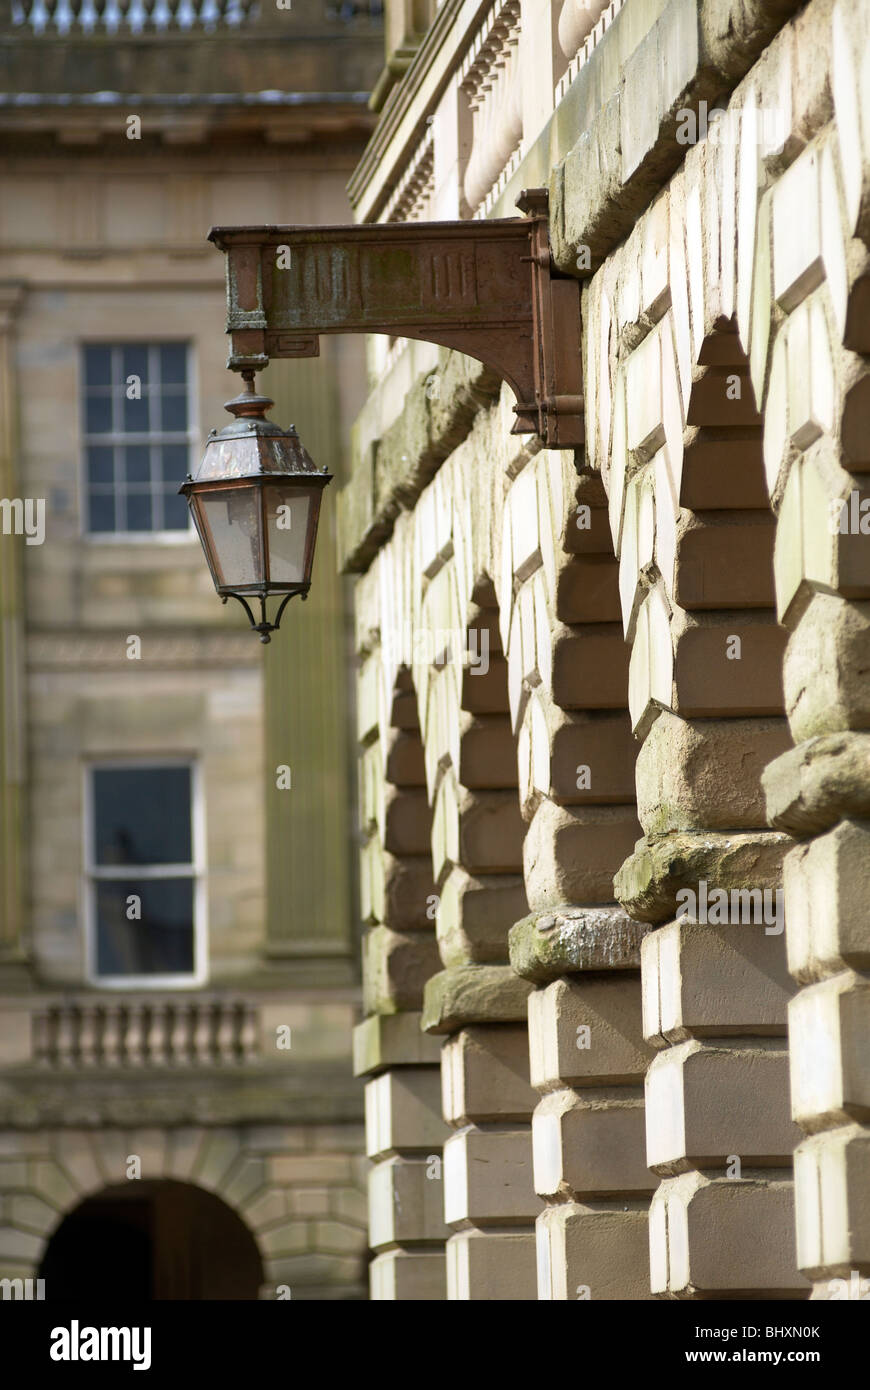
(155, 1240)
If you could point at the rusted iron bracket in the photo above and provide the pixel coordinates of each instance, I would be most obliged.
(487, 289)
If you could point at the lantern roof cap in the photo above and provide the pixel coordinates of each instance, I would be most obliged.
(252, 446)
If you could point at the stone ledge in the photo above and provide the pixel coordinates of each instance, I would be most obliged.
(30, 1099)
(648, 882)
(572, 939)
(474, 994)
(812, 787)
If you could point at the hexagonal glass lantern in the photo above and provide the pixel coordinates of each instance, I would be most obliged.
(255, 502)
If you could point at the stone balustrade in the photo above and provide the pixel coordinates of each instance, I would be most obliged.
(202, 1030)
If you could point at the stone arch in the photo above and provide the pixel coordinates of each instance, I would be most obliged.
(75, 1165)
(160, 1238)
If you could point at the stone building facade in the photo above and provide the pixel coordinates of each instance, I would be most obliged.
(596, 1065)
(126, 132)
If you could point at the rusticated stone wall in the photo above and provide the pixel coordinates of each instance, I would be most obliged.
(650, 816)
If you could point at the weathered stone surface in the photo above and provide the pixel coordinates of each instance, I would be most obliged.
(681, 773)
(824, 671)
(647, 884)
(809, 788)
(545, 945)
(473, 994)
(396, 966)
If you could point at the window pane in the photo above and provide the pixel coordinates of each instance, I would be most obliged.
(135, 415)
(174, 410)
(175, 462)
(173, 363)
(176, 515)
(232, 521)
(137, 463)
(159, 941)
(101, 467)
(101, 511)
(142, 815)
(98, 414)
(98, 366)
(138, 512)
(135, 360)
(287, 520)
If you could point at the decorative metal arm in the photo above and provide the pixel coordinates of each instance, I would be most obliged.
(263, 626)
(487, 289)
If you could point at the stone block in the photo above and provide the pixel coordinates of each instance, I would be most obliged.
(485, 692)
(571, 854)
(706, 1104)
(706, 772)
(474, 915)
(406, 1202)
(701, 980)
(832, 1183)
(490, 832)
(491, 1266)
(407, 821)
(648, 882)
(587, 590)
(589, 666)
(824, 671)
(725, 564)
(474, 994)
(590, 1146)
(485, 1075)
(709, 682)
(593, 1253)
(587, 1032)
(404, 759)
(488, 1178)
(408, 1276)
(827, 888)
(810, 788)
(396, 966)
(722, 473)
(597, 751)
(829, 1029)
(403, 1112)
(487, 757)
(722, 395)
(544, 946)
(389, 1040)
(723, 1238)
(406, 887)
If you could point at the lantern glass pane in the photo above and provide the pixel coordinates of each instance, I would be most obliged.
(231, 520)
(291, 517)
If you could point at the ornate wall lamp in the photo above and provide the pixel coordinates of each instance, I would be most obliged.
(487, 289)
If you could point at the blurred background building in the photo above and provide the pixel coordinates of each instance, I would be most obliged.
(177, 956)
